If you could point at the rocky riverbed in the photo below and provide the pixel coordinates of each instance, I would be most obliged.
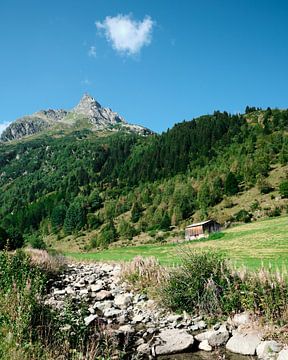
(148, 329)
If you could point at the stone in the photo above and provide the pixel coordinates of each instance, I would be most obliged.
(89, 319)
(97, 287)
(127, 329)
(241, 319)
(283, 355)
(83, 292)
(204, 345)
(172, 318)
(103, 295)
(112, 312)
(59, 292)
(173, 341)
(245, 343)
(143, 349)
(268, 349)
(123, 300)
(103, 305)
(214, 337)
(138, 318)
(218, 338)
(201, 324)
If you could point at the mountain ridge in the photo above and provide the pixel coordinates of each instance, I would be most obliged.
(98, 119)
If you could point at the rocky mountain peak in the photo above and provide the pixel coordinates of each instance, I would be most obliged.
(87, 105)
(99, 119)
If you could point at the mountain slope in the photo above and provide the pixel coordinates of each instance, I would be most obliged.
(97, 119)
(125, 184)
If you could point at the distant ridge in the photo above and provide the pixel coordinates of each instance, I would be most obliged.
(97, 118)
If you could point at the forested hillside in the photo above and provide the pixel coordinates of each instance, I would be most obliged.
(117, 186)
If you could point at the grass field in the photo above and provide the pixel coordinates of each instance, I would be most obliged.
(251, 244)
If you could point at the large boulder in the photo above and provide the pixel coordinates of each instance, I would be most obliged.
(245, 344)
(267, 350)
(173, 341)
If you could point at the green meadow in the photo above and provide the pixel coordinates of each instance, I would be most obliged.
(262, 242)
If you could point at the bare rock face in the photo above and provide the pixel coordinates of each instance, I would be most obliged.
(100, 119)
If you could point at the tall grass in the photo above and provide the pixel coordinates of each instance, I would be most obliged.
(207, 283)
(31, 330)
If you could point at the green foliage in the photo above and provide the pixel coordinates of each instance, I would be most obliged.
(136, 212)
(186, 169)
(231, 184)
(31, 330)
(243, 216)
(75, 217)
(192, 287)
(107, 235)
(126, 230)
(36, 241)
(58, 217)
(206, 283)
(283, 189)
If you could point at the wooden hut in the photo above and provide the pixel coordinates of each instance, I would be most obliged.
(202, 229)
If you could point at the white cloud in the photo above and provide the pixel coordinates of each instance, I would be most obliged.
(92, 51)
(3, 126)
(126, 35)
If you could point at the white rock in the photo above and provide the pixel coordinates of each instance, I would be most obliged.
(83, 292)
(97, 287)
(244, 344)
(173, 341)
(283, 355)
(89, 319)
(268, 349)
(59, 292)
(128, 329)
(204, 345)
(172, 318)
(241, 319)
(143, 349)
(103, 295)
(123, 300)
(112, 312)
(138, 318)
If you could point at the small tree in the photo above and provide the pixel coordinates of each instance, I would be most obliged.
(165, 222)
(231, 186)
(108, 234)
(283, 189)
(58, 216)
(136, 212)
(75, 217)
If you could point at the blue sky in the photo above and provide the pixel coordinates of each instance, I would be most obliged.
(155, 62)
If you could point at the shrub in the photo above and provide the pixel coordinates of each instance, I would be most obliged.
(243, 216)
(36, 241)
(283, 189)
(206, 283)
(198, 284)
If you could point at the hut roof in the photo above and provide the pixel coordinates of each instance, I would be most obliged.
(199, 224)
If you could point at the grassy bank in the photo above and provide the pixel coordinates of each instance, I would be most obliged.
(251, 244)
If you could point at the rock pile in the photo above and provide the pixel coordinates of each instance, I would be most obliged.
(152, 330)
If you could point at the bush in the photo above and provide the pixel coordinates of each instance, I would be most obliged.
(36, 241)
(243, 216)
(283, 189)
(206, 283)
(197, 286)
